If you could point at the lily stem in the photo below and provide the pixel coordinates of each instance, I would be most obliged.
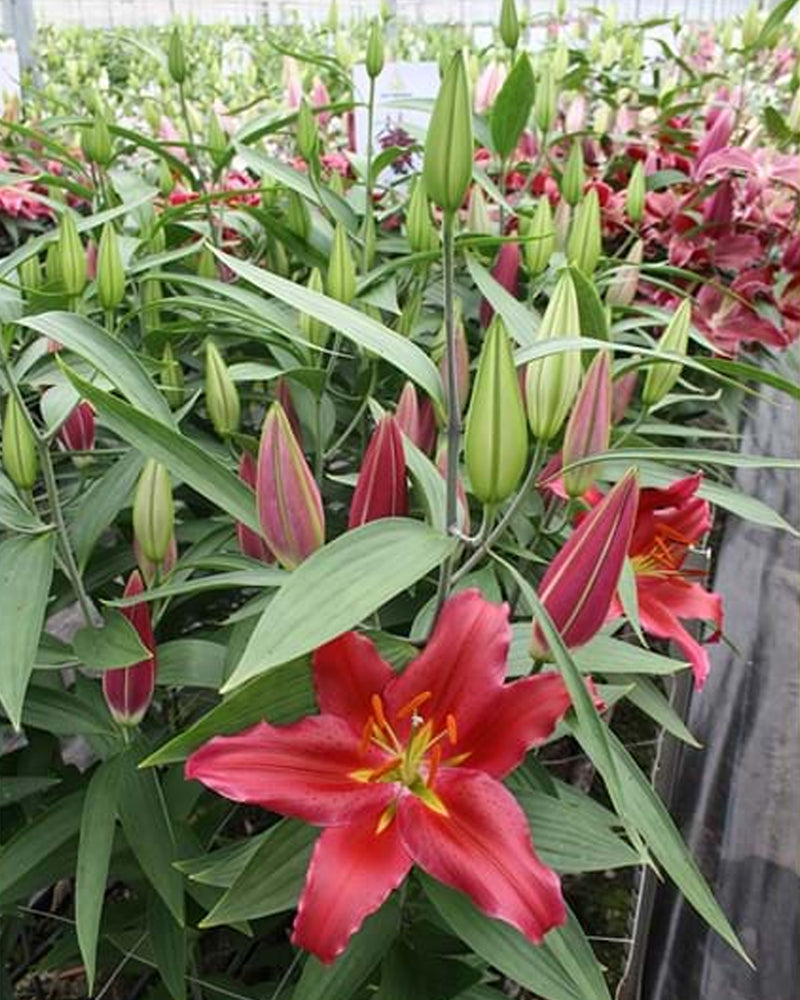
(451, 399)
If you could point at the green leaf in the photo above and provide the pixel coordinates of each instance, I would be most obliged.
(108, 355)
(666, 843)
(26, 568)
(533, 966)
(349, 972)
(407, 974)
(117, 644)
(572, 949)
(771, 27)
(593, 316)
(15, 789)
(283, 695)
(221, 868)
(98, 820)
(756, 373)
(572, 833)
(518, 319)
(30, 847)
(273, 877)
(257, 576)
(190, 663)
(100, 504)
(646, 696)
(629, 598)
(63, 714)
(143, 814)
(605, 655)
(13, 514)
(512, 107)
(366, 332)
(347, 579)
(185, 459)
(168, 941)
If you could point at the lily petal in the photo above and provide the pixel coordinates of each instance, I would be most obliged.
(352, 871)
(483, 848)
(520, 716)
(300, 770)
(663, 601)
(347, 672)
(464, 661)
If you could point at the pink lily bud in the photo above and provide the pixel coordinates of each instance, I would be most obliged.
(575, 118)
(381, 490)
(284, 396)
(292, 83)
(589, 426)
(622, 391)
(129, 690)
(148, 568)
(464, 523)
(488, 87)
(250, 543)
(462, 366)
(77, 431)
(580, 583)
(506, 273)
(320, 98)
(288, 499)
(406, 414)
(427, 426)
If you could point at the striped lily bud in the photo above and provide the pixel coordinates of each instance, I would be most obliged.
(110, 272)
(496, 437)
(478, 220)
(622, 391)
(580, 583)
(634, 196)
(589, 426)
(509, 24)
(129, 690)
(585, 239)
(341, 268)
(250, 543)
(19, 446)
(663, 375)
(171, 377)
(381, 490)
(406, 414)
(538, 249)
(289, 503)
(506, 273)
(375, 57)
(622, 290)
(71, 256)
(176, 59)
(222, 396)
(448, 147)
(153, 511)
(314, 330)
(573, 177)
(420, 230)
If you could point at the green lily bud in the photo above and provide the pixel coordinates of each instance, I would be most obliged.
(217, 139)
(601, 120)
(71, 256)
(341, 268)
(150, 293)
(52, 263)
(19, 446)
(30, 276)
(561, 225)
(448, 146)
(663, 375)
(96, 142)
(585, 240)
(539, 249)
(375, 56)
(298, 218)
(306, 131)
(622, 290)
(496, 437)
(751, 25)
(419, 226)
(176, 60)
(634, 196)
(478, 220)
(222, 397)
(314, 330)
(551, 383)
(573, 176)
(561, 9)
(153, 511)
(110, 272)
(610, 52)
(207, 263)
(277, 261)
(172, 377)
(166, 182)
(544, 108)
(560, 61)
(509, 24)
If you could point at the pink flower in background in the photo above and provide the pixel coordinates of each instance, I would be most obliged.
(488, 86)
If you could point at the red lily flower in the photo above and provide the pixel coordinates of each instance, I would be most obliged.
(405, 769)
(668, 522)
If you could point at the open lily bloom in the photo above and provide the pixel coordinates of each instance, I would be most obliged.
(405, 769)
(668, 522)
